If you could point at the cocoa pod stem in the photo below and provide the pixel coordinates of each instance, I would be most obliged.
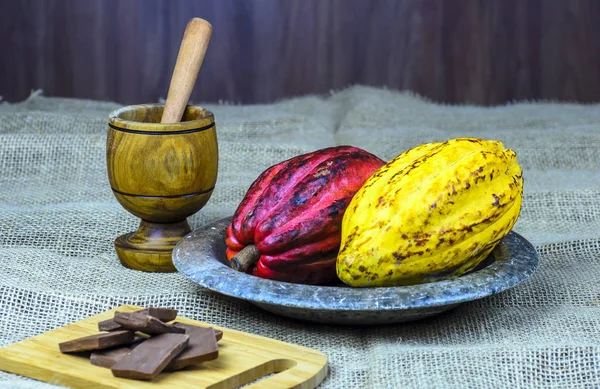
(246, 258)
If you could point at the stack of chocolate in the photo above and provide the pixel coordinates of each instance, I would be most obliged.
(141, 344)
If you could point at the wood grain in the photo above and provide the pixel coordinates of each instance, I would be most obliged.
(457, 51)
(243, 357)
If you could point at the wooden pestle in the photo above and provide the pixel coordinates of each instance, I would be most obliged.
(191, 54)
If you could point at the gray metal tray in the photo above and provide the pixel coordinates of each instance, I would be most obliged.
(200, 256)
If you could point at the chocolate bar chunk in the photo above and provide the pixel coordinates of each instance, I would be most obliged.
(109, 325)
(162, 314)
(148, 359)
(97, 342)
(218, 333)
(108, 357)
(140, 321)
(202, 347)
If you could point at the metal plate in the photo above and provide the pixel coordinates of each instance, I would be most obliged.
(200, 256)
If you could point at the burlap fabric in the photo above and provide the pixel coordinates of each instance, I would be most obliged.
(58, 220)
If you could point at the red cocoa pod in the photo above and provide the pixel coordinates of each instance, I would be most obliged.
(292, 214)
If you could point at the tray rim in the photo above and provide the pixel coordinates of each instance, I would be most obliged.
(518, 268)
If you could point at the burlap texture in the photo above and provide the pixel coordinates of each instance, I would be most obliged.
(58, 220)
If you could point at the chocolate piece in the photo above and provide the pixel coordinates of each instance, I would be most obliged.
(218, 333)
(140, 321)
(162, 314)
(97, 342)
(148, 359)
(202, 347)
(107, 358)
(109, 325)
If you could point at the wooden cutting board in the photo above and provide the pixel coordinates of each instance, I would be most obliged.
(243, 358)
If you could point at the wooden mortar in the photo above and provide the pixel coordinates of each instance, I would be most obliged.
(162, 161)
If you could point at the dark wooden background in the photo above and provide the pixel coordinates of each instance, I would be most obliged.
(457, 51)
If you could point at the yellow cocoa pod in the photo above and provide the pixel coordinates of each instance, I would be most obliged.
(432, 213)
